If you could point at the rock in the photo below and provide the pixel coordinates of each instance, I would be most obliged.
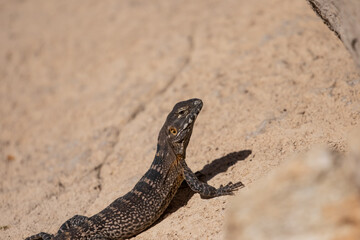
(342, 17)
(313, 196)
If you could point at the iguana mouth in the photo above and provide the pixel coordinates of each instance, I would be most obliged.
(189, 121)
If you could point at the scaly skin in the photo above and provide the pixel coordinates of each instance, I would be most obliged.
(142, 206)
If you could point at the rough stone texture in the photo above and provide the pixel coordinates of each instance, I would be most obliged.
(342, 17)
(86, 86)
(311, 197)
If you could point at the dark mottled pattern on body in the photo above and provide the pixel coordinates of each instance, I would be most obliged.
(142, 206)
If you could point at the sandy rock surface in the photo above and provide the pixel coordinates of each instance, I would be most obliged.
(86, 86)
(314, 196)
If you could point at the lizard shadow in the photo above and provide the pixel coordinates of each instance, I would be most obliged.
(209, 171)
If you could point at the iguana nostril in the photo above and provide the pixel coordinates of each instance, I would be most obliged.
(197, 102)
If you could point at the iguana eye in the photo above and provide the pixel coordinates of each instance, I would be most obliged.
(173, 131)
(181, 112)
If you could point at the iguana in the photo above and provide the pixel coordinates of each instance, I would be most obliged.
(142, 206)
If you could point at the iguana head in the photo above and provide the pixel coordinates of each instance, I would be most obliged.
(179, 125)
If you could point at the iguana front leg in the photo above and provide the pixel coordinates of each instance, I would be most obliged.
(204, 189)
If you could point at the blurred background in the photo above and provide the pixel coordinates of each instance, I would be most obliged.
(86, 85)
